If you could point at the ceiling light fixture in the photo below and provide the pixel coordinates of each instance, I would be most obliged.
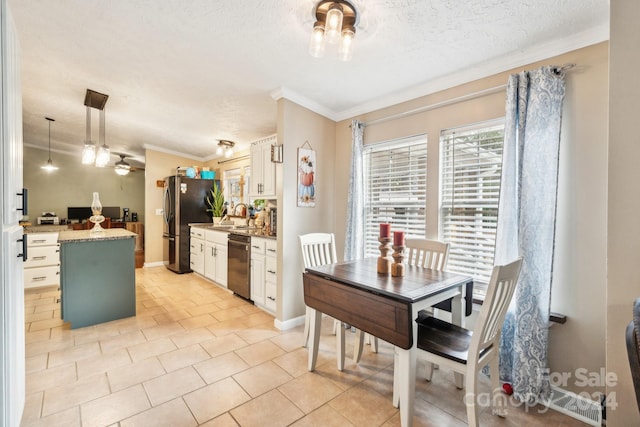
(122, 167)
(225, 147)
(336, 21)
(99, 155)
(49, 167)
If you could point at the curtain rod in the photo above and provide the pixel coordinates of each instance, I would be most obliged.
(451, 101)
(246, 156)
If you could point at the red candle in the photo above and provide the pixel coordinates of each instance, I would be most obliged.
(385, 230)
(398, 238)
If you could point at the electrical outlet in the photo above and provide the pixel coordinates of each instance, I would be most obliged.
(159, 212)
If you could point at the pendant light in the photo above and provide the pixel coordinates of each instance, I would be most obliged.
(104, 153)
(89, 150)
(49, 167)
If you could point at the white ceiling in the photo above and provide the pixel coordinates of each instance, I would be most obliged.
(181, 75)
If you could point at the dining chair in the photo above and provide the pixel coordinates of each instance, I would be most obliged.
(424, 253)
(467, 352)
(633, 348)
(320, 249)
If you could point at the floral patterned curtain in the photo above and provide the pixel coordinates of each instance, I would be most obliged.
(354, 236)
(527, 222)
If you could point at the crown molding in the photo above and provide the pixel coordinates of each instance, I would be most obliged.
(172, 152)
(494, 66)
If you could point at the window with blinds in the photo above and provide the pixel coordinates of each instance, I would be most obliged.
(471, 165)
(396, 188)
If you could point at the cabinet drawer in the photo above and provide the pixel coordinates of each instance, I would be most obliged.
(41, 276)
(196, 246)
(257, 245)
(219, 237)
(270, 301)
(272, 247)
(271, 269)
(197, 232)
(40, 256)
(42, 239)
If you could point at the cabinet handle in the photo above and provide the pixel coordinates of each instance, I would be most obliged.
(271, 250)
(212, 253)
(58, 300)
(23, 255)
(39, 241)
(24, 201)
(271, 271)
(38, 278)
(38, 258)
(271, 298)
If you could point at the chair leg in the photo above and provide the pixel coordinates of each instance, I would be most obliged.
(498, 399)
(340, 348)
(428, 370)
(471, 398)
(358, 345)
(396, 379)
(336, 325)
(374, 343)
(305, 334)
(315, 320)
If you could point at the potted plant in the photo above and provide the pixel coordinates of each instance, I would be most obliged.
(216, 202)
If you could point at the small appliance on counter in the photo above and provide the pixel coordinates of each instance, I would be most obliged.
(48, 218)
(125, 214)
(273, 221)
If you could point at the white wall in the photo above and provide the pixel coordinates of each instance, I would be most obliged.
(623, 246)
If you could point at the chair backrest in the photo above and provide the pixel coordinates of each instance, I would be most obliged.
(317, 249)
(427, 253)
(494, 308)
(633, 348)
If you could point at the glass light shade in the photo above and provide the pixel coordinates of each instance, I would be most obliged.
(219, 150)
(49, 167)
(334, 23)
(88, 153)
(103, 155)
(96, 206)
(228, 152)
(345, 52)
(316, 45)
(122, 170)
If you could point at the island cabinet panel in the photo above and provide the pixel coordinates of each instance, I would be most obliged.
(97, 281)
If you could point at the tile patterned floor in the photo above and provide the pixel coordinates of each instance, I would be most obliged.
(197, 355)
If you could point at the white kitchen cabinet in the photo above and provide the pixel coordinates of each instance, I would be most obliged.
(215, 256)
(263, 170)
(42, 267)
(264, 273)
(196, 250)
(257, 270)
(271, 276)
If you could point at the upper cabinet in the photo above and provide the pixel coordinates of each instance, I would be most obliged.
(263, 171)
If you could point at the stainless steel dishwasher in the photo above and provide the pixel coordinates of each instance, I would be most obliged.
(239, 265)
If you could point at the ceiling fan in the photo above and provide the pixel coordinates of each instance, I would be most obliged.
(122, 167)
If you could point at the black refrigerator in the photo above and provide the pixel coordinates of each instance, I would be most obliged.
(184, 203)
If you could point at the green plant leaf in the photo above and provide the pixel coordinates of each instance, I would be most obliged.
(216, 201)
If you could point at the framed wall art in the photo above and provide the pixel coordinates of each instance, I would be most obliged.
(306, 176)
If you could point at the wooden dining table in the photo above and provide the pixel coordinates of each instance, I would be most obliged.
(385, 307)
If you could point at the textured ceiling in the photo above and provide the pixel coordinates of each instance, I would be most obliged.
(182, 74)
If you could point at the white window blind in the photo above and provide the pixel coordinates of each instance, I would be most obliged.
(471, 164)
(396, 188)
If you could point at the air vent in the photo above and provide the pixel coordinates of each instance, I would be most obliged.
(575, 406)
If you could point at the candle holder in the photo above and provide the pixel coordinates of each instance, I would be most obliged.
(397, 268)
(384, 262)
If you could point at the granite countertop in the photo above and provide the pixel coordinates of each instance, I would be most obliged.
(45, 228)
(236, 229)
(69, 236)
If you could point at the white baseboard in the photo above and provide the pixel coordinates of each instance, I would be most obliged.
(289, 324)
(153, 264)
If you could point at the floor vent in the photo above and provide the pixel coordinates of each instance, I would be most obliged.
(578, 407)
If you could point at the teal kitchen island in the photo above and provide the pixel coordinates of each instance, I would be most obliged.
(97, 276)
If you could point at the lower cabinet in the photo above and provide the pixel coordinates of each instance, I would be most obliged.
(215, 256)
(264, 273)
(42, 267)
(196, 254)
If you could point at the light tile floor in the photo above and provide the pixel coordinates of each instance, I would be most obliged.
(197, 355)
